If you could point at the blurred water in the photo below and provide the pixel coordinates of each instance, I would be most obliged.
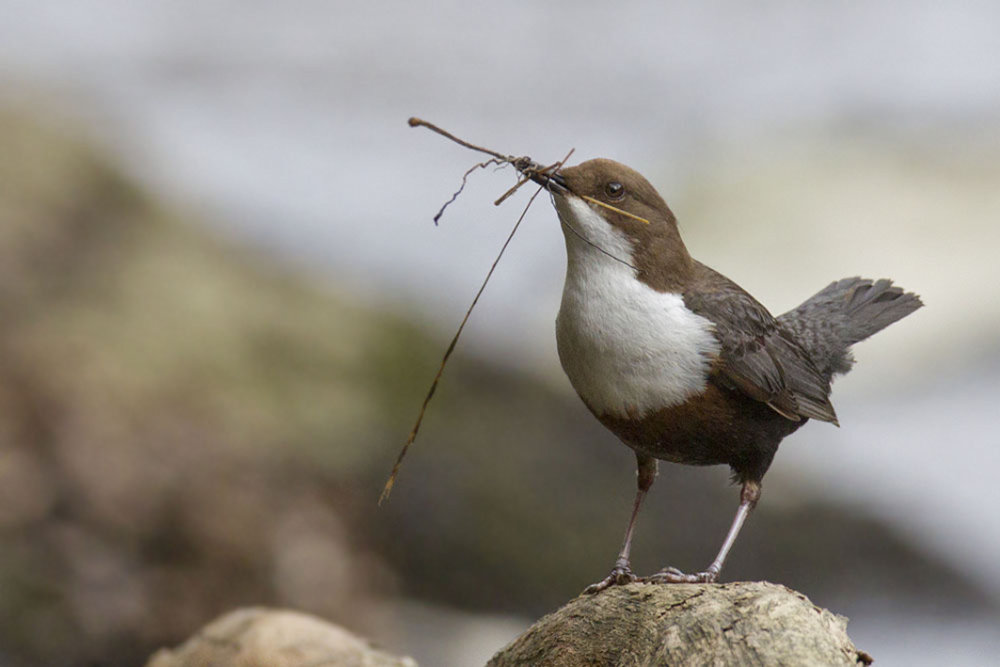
(286, 122)
(289, 118)
(932, 476)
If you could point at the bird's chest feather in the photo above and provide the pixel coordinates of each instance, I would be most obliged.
(629, 350)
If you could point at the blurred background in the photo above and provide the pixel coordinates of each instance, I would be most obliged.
(222, 299)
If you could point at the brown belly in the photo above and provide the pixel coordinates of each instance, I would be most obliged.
(717, 426)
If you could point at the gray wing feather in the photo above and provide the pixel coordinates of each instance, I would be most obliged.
(758, 356)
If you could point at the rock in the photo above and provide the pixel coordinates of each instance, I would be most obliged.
(258, 637)
(747, 623)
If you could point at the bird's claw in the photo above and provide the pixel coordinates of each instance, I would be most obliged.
(671, 575)
(622, 574)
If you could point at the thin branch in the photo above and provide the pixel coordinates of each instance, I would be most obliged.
(418, 122)
(532, 171)
(454, 341)
(465, 177)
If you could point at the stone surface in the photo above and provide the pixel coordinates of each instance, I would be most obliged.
(747, 623)
(257, 637)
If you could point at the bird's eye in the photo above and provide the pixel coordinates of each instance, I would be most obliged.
(614, 190)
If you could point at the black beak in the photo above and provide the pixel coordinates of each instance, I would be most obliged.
(552, 182)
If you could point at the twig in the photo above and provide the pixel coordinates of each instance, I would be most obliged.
(414, 122)
(517, 186)
(419, 122)
(451, 348)
(523, 164)
(528, 172)
(465, 177)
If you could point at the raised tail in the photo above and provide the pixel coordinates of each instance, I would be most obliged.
(843, 313)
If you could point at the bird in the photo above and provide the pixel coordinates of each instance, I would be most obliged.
(676, 359)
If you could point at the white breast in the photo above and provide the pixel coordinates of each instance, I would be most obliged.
(627, 349)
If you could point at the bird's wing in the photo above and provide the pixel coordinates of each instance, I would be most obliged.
(758, 357)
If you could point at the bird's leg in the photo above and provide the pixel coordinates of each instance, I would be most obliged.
(622, 573)
(748, 500)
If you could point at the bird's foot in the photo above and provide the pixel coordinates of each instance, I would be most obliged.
(671, 575)
(620, 575)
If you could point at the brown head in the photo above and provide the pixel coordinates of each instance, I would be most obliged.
(629, 212)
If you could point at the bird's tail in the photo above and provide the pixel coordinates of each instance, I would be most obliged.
(843, 313)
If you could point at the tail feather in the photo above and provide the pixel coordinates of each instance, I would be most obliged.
(873, 307)
(843, 313)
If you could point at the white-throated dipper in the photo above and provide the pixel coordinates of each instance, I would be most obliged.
(676, 359)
